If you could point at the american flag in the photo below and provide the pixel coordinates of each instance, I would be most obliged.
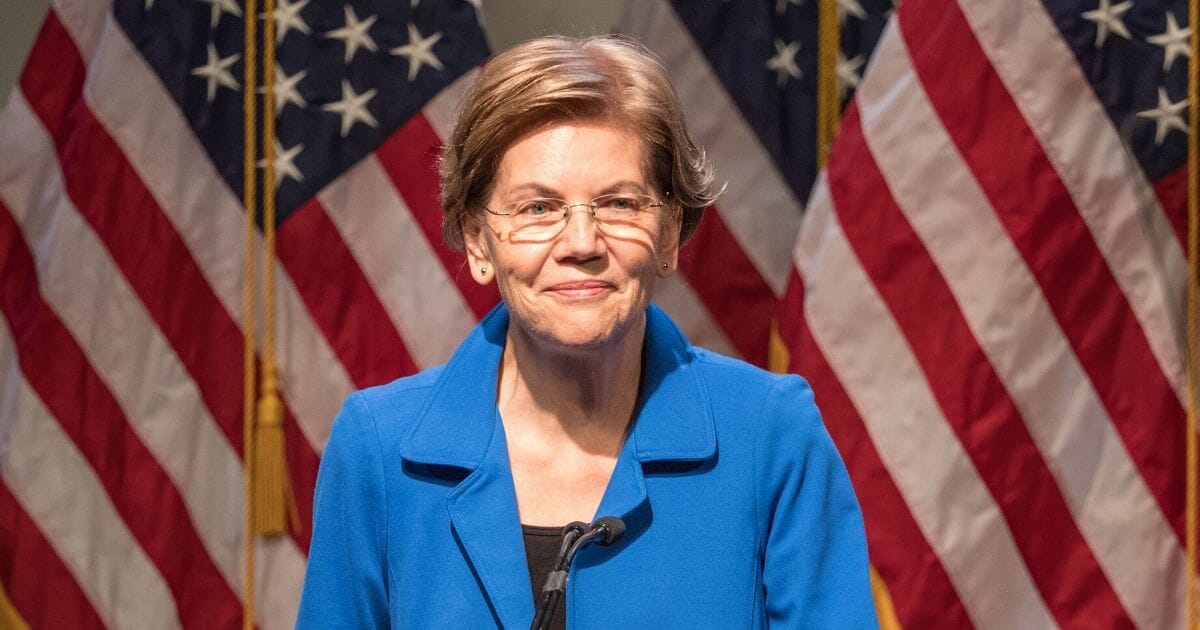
(121, 248)
(988, 298)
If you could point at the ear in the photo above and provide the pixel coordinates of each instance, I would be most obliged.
(478, 250)
(667, 259)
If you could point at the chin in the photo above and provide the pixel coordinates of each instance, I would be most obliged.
(581, 331)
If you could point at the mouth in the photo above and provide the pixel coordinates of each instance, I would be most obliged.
(580, 289)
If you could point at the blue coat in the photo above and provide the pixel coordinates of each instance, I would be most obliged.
(739, 512)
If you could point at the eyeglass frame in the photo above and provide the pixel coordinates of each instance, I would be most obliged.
(568, 212)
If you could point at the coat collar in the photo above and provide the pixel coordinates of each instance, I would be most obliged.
(459, 426)
(673, 417)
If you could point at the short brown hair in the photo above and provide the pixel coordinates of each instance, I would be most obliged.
(556, 79)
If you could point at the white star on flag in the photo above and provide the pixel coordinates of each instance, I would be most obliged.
(352, 108)
(847, 72)
(285, 89)
(1108, 17)
(1174, 42)
(853, 7)
(1166, 116)
(782, 5)
(287, 17)
(419, 51)
(216, 71)
(784, 61)
(223, 6)
(354, 33)
(285, 163)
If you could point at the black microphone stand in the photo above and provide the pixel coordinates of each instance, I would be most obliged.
(603, 531)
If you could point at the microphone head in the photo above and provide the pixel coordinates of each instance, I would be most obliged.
(612, 527)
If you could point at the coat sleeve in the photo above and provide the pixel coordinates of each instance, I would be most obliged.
(346, 582)
(815, 571)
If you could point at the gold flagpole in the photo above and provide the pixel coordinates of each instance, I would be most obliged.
(1193, 313)
(250, 139)
(829, 109)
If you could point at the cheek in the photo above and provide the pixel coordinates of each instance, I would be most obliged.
(517, 267)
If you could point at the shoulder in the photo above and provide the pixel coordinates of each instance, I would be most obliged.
(733, 381)
(775, 415)
(387, 411)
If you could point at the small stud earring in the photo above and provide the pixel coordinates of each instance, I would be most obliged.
(666, 266)
(483, 270)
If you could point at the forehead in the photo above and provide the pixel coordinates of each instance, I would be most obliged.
(571, 157)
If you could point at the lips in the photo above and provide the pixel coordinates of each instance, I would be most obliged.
(580, 288)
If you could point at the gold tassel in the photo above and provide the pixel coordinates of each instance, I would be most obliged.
(271, 488)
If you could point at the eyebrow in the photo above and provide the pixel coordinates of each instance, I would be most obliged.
(547, 191)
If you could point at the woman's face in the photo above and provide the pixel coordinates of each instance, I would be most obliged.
(584, 287)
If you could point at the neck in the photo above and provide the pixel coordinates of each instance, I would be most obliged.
(582, 396)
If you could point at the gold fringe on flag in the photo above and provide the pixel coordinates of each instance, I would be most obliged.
(1193, 312)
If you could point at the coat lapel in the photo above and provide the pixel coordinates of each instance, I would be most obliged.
(459, 427)
(673, 418)
(483, 509)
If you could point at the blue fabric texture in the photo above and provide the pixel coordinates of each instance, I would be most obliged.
(738, 509)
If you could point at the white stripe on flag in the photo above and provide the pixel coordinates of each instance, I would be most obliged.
(85, 530)
(758, 206)
(391, 249)
(845, 314)
(1106, 184)
(279, 579)
(676, 297)
(128, 99)
(442, 109)
(1110, 501)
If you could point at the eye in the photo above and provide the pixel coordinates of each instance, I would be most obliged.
(536, 208)
(622, 203)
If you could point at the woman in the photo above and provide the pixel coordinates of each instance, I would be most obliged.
(571, 182)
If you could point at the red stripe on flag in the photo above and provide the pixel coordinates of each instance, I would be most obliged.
(110, 195)
(969, 392)
(1045, 226)
(302, 473)
(339, 296)
(410, 157)
(1171, 190)
(730, 286)
(35, 579)
(57, 369)
(921, 590)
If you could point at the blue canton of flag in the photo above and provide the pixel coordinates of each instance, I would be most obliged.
(1136, 58)
(347, 76)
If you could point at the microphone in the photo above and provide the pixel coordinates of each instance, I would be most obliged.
(603, 531)
(612, 528)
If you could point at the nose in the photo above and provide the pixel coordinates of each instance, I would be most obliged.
(580, 238)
